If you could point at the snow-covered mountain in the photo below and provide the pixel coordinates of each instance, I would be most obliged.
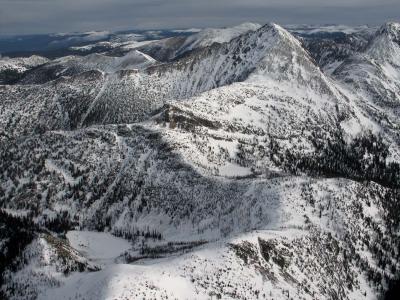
(240, 163)
(373, 75)
(170, 48)
(209, 36)
(11, 69)
(125, 96)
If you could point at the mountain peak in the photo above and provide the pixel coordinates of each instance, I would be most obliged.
(386, 43)
(272, 27)
(269, 26)
(279, 31)
(284, 59)
(391, 29)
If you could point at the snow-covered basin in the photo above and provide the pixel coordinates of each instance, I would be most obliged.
(163, 278)
(98, 246)
(123, 281)
(234, 170)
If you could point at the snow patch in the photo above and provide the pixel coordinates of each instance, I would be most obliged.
(234, 170)
(97, 246)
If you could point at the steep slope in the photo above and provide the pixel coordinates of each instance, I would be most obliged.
(374, 75)
(385, 45)
(43, 264)
(330, 53)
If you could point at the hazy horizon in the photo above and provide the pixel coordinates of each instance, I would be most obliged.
(19, 17)
(183, 29)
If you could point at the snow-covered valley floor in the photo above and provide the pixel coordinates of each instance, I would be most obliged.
(165, 278)
(211, 271)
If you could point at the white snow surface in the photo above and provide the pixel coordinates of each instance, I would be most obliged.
(97, 246)
(133, 60)
(214, 269)
(234, 170)
(21, 64)
(209, 36)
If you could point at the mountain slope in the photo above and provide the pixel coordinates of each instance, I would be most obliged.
(12, 69)
(376, 72)
(130, 96)
(131, 182)
(172, 48)
(74, 65)
(330, 53)
(238, 171)
(374, 76)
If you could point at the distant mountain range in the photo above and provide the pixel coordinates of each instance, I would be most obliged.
(59, 44)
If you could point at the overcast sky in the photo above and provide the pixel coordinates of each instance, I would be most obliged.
(46, 16)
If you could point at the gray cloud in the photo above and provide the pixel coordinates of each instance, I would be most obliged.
(45, 16)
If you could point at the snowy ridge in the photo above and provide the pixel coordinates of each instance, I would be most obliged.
(43, 264)
(21, 63)
(374, 75)
(386, 44)
(12, 68)
(209, 36)
(76, 64)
